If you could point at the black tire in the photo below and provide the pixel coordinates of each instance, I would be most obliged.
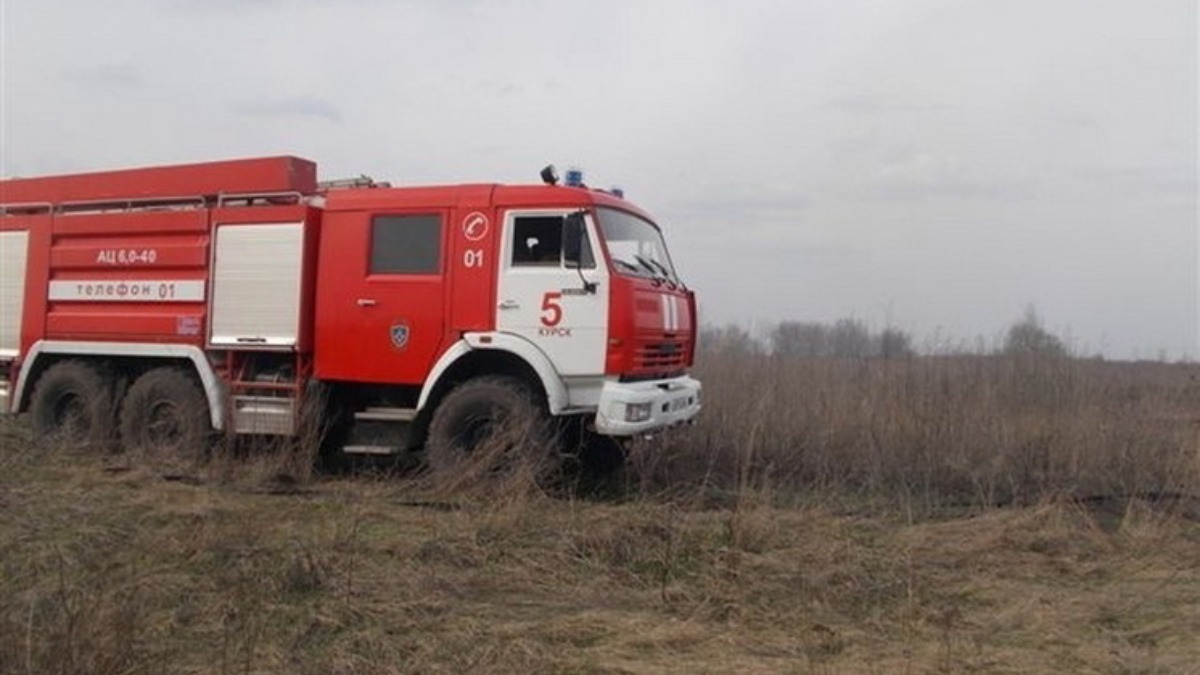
(601, 457)
(72, 405)
(595, 461)
(165, 413)
(489, 427)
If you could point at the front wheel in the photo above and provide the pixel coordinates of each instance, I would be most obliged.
(165, 412)
(491, 427)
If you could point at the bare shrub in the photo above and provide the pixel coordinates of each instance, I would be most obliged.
(1029, 337)
(73, 615)
(846, 337)
(730, 339)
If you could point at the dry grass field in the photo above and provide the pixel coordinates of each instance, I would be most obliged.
(948, 514)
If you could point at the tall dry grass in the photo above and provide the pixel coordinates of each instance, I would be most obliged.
(936, 431)
(256, 565)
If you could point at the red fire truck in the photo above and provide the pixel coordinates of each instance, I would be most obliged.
(155, 307)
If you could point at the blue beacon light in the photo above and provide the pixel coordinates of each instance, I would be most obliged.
(573, 178)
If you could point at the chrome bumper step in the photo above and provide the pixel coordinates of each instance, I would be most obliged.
(268, 415)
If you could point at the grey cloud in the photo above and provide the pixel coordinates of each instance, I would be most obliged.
(225, 5)
(124, 75)
(911, 173)
(756, 215)
(222, 4)
(499, 89)
(1076, 119)
(776, 204)
(1180, 179)
(745, 199)
(300, 106)
(907, 191)
(814, 135)
(866, 104)
(720, 250)
(852, 145)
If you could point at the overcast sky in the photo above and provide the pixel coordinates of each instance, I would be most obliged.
(933, 164)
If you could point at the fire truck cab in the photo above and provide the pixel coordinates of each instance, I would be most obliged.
(157, 306)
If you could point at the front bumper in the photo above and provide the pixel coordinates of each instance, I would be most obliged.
(669, 402)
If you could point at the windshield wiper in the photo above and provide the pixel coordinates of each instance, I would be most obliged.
(649, 268)
(667, 274)
(670, 276)
(627, 265)
(639, 271)
(659, 272)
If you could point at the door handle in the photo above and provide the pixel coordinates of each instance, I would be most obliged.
(367, 302)
(509, 304)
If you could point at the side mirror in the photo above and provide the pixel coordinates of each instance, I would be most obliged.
(577, 252)
(574, 238)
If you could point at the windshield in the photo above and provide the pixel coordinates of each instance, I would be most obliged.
(636, 246)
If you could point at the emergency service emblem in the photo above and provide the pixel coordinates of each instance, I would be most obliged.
(400, 334)
(475, 226)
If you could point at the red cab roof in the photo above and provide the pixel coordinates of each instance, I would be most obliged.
(207, 179)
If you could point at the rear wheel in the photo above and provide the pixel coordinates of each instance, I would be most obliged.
(166, 413)
(72, 405)
(491, 427)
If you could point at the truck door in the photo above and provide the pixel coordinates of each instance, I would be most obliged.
(545, 298)
(381, 306)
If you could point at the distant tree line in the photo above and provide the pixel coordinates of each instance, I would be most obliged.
(853, 338)
(844, 338)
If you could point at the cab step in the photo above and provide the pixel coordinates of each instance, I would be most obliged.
(386, 415)
(270, 415)
(376, 450)
(380, 431)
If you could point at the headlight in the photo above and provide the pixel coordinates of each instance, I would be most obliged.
(637, 412)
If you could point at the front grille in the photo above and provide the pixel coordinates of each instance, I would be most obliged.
(661, 356)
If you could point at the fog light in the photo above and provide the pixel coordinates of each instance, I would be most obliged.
(637, 412)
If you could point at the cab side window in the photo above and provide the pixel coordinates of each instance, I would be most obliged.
(538, 242)
(406, 244)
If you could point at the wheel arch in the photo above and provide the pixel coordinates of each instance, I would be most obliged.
(134, 356)
(491, 354)
(497, 354)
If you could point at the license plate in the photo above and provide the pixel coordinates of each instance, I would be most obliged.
(678, 404)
